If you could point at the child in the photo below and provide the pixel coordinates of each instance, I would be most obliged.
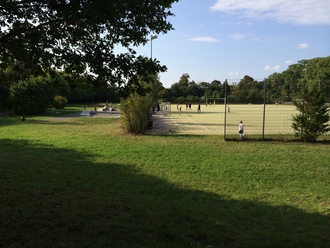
(241, 129)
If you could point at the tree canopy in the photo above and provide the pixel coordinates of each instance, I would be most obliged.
(81, 35)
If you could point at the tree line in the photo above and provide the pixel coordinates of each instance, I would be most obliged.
(17, 81)
(287, 86)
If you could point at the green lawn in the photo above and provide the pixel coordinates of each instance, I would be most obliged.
(82, 183)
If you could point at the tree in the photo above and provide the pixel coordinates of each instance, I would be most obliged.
(312, 121)
(143, 82)
(10, 74)
(275, 89)
(318, 75)
(81, 35)
(306, 74)
(32, 96)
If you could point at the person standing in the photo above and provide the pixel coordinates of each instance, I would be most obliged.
(199, 108)
(241, 129)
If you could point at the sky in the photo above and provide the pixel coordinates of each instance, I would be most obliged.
(228, 39)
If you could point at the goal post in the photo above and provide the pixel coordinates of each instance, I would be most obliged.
(213, 101)
(166, 108)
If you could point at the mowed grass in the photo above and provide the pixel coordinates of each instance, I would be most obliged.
(82, 183)
(211, 120)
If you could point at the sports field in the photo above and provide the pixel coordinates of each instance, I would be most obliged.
(211, 119)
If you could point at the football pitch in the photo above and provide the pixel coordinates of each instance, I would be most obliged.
(213, 120)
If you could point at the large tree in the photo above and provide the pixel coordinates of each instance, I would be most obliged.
(81, 35)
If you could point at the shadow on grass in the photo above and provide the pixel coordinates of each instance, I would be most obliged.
(61, 198)
(9, 121)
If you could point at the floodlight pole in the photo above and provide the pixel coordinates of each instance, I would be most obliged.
(153, 36)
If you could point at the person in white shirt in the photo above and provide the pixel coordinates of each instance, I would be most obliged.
(241, 129)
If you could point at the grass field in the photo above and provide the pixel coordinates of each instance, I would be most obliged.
(82, 183)
(211, 120)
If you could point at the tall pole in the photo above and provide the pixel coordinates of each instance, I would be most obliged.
(303, 103)
(151, 48)
(153, 36)
(225, 122)
(264, 113)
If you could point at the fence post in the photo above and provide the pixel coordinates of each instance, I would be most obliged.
(225, 122)
(264, 114)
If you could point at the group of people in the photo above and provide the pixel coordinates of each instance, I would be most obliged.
(188, 106)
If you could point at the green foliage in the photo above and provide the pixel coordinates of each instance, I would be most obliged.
(78, 35)
(10, 73)
(246, 91)
(31, 96)
(312, 121)
(135, 113)
(59, 102)
(189, 91)
(306, 74)
(143, 83)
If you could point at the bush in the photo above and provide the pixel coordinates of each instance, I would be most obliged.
(312, 121)
(59, 102)
(31, 96)
(135, 113)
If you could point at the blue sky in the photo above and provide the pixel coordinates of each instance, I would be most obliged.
(228, 39)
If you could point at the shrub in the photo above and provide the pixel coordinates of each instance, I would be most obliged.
(31, 96)
(312, 121)
(135, 113)
(59, 102)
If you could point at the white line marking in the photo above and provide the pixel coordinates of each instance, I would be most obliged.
(199, 124)
(177, 124)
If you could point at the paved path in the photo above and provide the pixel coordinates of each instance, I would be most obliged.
(99, 114)
(160, 126)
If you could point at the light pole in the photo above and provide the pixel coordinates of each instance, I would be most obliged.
(153, 36)
(303, 104)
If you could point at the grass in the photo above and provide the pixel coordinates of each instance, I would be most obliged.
(81, 183)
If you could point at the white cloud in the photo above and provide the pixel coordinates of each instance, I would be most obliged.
(303, 12)
(288, 62)
(237, 36)
(303, 46)
(272, 68)
(233, 73)
(204, 39)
